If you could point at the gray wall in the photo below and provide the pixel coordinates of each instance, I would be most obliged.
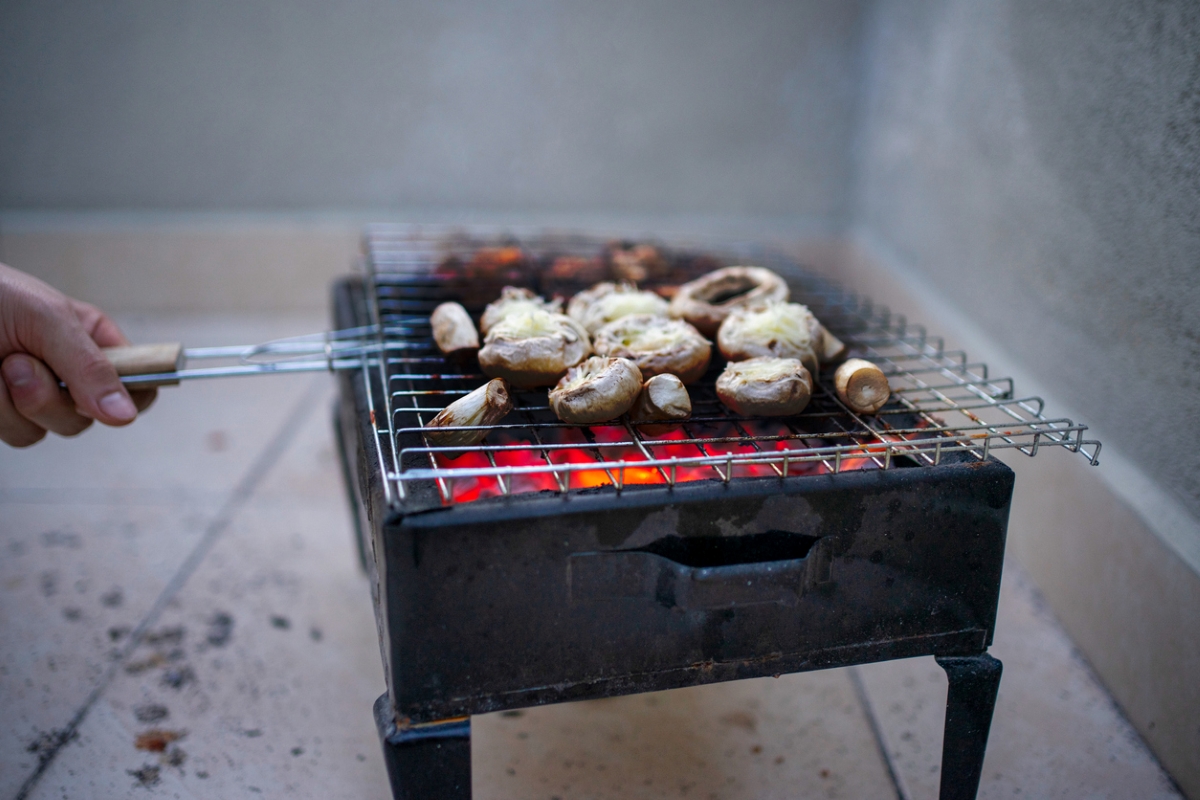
(1041, 161)
(693, 107)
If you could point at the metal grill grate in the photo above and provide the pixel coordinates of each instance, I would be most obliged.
(943, 406)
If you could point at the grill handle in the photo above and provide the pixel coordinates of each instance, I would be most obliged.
(161, 361)
(636, 574)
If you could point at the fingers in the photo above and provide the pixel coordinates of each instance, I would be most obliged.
(58, 336)
(68, 349)
(105, 333)
(143, 398)
(15, 430)
(98, 325)
(34, 393)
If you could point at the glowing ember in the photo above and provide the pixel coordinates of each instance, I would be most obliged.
(768, 440)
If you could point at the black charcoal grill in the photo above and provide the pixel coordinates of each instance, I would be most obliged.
(555, 562)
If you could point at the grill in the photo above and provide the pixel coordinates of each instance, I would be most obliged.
(555, 562)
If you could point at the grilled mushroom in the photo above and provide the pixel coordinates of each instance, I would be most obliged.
(638, 262)
(568, 274)
(861, 385)
(453, 331)
(706, 301)
(827, 346)
(657, 345)
(778, 330)
(487, 405)
(533, 347)
(765, 387)
(597, 390)
(596, 307)
(514, 299)
(663, 397)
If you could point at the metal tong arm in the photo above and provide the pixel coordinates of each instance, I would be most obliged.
(149, 365)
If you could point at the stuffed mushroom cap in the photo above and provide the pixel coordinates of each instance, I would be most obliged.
(765, 387)
(533, 347)
(776, 330)
(597, 390)
(513, 299)
(707, 301)
(657, 345)
(601, 304)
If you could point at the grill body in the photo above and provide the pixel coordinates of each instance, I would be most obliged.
(549, 597)
(560, 599)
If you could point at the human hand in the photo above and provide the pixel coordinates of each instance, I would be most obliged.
(46, 336)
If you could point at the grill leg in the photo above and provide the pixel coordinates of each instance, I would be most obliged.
(970, 701)
(432, 762)
(348, 480)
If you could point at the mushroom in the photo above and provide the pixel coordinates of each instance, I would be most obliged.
(706, 301)
(657, 345)
(828, 347)
(453, 331)
(597, 390)
(513, 298)
(663, 397)
(533, 347)
(639, 262)
(861, 385)
(765, 387)
(491, 263)
(779, 330)
(569, 274)
(487, 405)
(596, 307)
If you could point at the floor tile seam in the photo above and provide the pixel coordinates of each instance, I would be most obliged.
(102, 492)
(45, 496)
(212, 503)
(1044, 615)
(238, 497)
(274, 499)
(868, 709)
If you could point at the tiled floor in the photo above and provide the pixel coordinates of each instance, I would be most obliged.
(217, 527)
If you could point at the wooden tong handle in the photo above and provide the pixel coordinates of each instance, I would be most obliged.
(147, 359)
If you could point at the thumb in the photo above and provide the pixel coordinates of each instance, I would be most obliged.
(90, 377)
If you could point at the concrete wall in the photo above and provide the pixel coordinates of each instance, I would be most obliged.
(695, 107)
(1039, 164)
(1042, 162)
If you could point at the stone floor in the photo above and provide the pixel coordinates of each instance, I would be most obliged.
(183, 616)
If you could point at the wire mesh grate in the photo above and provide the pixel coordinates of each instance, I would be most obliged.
(944, 407)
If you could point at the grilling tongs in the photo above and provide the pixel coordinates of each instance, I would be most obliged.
(142, 366)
